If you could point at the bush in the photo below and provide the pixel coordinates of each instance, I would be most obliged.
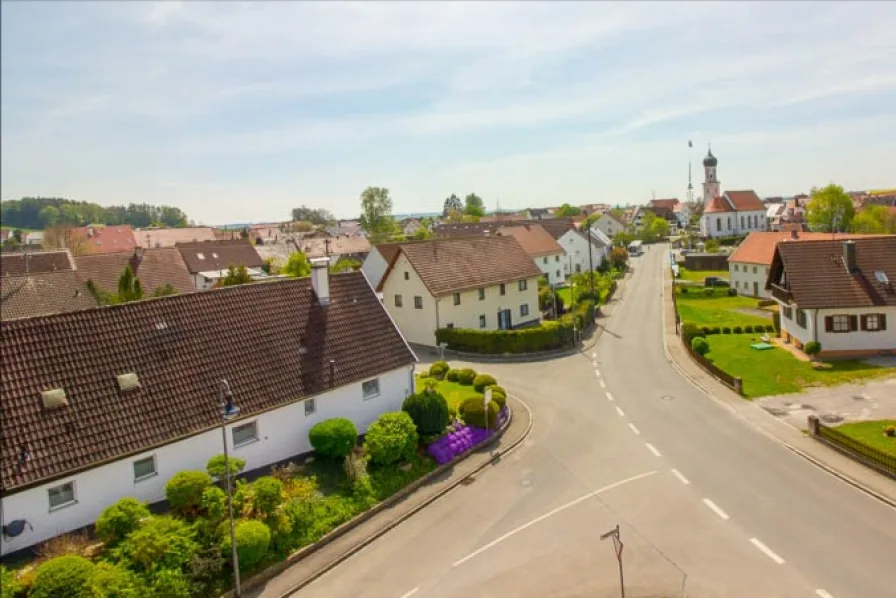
(215, 466)
(684, 290)
(473, 412)
(171, 583)
(500, 398)
(483, 380)
(689, 331)
(748, 329)
(466, 376)
(9, 585)
(214, 503)
(184, 491)
(162, 542)
(452, 413)
(439, 369)
(62, 577)
(267, 494)
(732, 292)
(776, 322)
(451, 375)
(716, 330)
(496, 388)
(706, 330)
(112, 581)
(812, 348)
(429, 410)
(333, 438)
(252, 541)
(700, 346)
(120, 519)
(738, 330)
(392, 437)
(726, 330)
(890, 431)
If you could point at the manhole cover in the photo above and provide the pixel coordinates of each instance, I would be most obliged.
(830, 418)
(667, 397)
(858, 398)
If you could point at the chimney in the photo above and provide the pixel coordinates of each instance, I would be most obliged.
(136, 259)
(849, 256)
(794, 233)
(320, 279)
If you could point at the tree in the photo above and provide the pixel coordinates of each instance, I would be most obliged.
(317, 216)
(235, 275)
(874, 219)
(473, 205)
(164, 290)
(566, 211)
(830, 209)
(297, 265)
(49, 216)
(61, 236)
(657, 229)
(618, 257)
(345, 264)
(452, 204)
(376, 212)
(129, 287)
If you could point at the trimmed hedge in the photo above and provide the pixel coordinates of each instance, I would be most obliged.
(738, 330)
(390, 438)
(184, 491)
(120, 519)
(483, 380)
(466, 376)
(252, 541)
(451, 375)
(726, 330)
(439, 369)
(333, 438)
(472, 410)
(700, 346)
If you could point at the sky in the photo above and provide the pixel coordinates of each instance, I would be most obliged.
(240, 111)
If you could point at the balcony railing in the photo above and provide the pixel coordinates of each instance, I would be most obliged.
(780, 293)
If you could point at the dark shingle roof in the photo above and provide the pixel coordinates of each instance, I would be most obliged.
(180, 347)
(452, 265)
(817, 277)
(218, 255)
(32, 295)
(38, 262)
(557, 227)
(156, 268)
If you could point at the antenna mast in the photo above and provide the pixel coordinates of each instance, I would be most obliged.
(690, 186)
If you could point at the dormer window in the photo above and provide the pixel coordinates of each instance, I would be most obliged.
(200, 256)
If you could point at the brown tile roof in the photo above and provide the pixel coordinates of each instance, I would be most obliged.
(533, 238)
(744, 200)
(759, 247)
(556, 227)
(156, 268)
(817, 277)
(668, 204)
(180, 347)
(452, 265)
(169, 237)
(219, 255)
(101, 238)
(31, 295)
(38, 262)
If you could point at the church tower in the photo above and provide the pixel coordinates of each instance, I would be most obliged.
(710, 180)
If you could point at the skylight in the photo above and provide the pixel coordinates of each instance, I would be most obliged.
(881, 277)
(200, 256)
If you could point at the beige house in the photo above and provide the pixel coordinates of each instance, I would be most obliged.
(482, 283)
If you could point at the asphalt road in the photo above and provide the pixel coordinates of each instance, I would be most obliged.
(707, 506)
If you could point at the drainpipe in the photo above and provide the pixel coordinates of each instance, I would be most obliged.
(438, 324)
(815, 326)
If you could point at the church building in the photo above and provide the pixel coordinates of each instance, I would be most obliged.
(728, 214)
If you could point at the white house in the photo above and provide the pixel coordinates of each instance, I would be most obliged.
(541, 246)
(109, 403)
(484, 283)
(734, 213)
(411, 227)
(608, 224)
(840, 294)
(580, 254)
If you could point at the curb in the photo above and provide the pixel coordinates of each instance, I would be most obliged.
(370, 539)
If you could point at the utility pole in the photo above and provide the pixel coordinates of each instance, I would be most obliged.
(618, 545)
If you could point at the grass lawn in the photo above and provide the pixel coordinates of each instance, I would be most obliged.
(717, 310)
(453, 392)
(872, 434)
(698, 276)
(776, 371)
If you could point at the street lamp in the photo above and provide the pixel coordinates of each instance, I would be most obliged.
(228, 411)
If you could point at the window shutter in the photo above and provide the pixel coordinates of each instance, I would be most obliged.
(883, 321)
(864, 322)
(853, 323)
(828, 323)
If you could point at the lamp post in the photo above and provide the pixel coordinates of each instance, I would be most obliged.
(228, 412)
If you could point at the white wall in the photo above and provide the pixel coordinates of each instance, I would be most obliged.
(374, 267)
(282, 433)
(417, 325)
(743, 276)
(552, 267)
(731, 223)
(466, 315)
(858, 340)
(608, 225)
(571, 242)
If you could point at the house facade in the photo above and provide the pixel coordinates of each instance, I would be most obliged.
(115, 411)
(839, 293)
(584, 249)
(484, 283)
(544, 250)
(609, 224)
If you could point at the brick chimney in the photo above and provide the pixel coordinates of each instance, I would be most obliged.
(794, 233)
(320, 279)
(136, 259)
(849, 256)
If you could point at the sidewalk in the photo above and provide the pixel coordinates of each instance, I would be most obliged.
(319, 562)
(827, 458)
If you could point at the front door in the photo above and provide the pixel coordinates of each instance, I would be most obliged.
(755, 289)
(504, 319)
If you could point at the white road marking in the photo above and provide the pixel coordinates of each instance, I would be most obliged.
(768, 551)
(411, 593)
(597, 372)
(620, 412)
(680, 477)
(715, 508)
(634, 429)
(551, 513)
(653, 450)
(823, 594)
(594, 355)
(609, 397)
(603, 384)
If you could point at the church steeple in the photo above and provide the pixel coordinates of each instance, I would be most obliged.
(710, 179)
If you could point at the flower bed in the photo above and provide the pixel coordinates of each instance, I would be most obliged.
(462, 438)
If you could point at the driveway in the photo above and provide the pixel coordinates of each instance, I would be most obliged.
(837, 404)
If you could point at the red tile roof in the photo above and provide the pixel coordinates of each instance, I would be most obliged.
(179, 347)
(744, 200)
(759, 247)
(534, 239)
(668, 204)
(156, 268)
(101, 238)
(717, 205)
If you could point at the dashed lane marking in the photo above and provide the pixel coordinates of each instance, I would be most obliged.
(680, 477)
(609, 397)
(715, 509)
(653, 449)
(767, 551)
(634, 429)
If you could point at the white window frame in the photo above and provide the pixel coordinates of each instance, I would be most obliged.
(153, 473)
(365, 395)
(253, 424)
(69, 503)
(523, 284)
(834, 323)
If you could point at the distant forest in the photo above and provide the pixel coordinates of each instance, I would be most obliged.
(43, 212)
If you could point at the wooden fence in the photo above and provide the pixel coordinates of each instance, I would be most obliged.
(868, 455)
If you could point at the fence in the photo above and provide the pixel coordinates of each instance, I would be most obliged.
(868, 455)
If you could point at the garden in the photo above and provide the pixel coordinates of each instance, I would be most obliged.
(713, 306)
(132, 553)
(877, 434)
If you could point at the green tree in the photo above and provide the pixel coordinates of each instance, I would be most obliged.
(566, 211)
(129, 287)
(474, 206)
(874, 219)
(345, 264)
(376, 212)
(297, 265)
(452, 204)
(164, 290)
(236, 275)
(49, 216)
(830, 209)
(658, 229)
(317, 216)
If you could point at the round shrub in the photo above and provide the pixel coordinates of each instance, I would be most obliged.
(748, 329)
(500, 398)
(706, 330)
(62, 577)
(812, 348)
(700, 346)
(716, 330)
(429, 410)
(473, 412)
(267, 494)
(483, 380)
(112, 581)
(252, 541)
(496, 388)
(171, 583)
(439, 369)
(684, 290)
(890, 431)
(466, 376)
(689, 331)
(9, 585)
(392, 437)
(738, 330)
(120, 519)
(770, 328)
(215, 466)
(161, 542)
(184, 491)
(451, 375)
(726, 330)
(333, 438)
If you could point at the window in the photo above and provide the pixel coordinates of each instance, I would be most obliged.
(755, 269)
(397, 300)
(839, 323)
(718, 224)
(145, 468)
(556, 258)
(482, 321)
(482, 294)
(200, 256)
(742, 222)
(544, 260)
(522, 285)
(558, 273)
(801, 317)
(503, 289)
(370, 388)
(456, 298)
(524, 310)
(418, 302)
(62, 495)
(729, 222)
(310, 407)
(735, 268)
(578, 268)
(407, 276)
(244, 434)
(874, 322)
(788, 313)
(449, 325)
